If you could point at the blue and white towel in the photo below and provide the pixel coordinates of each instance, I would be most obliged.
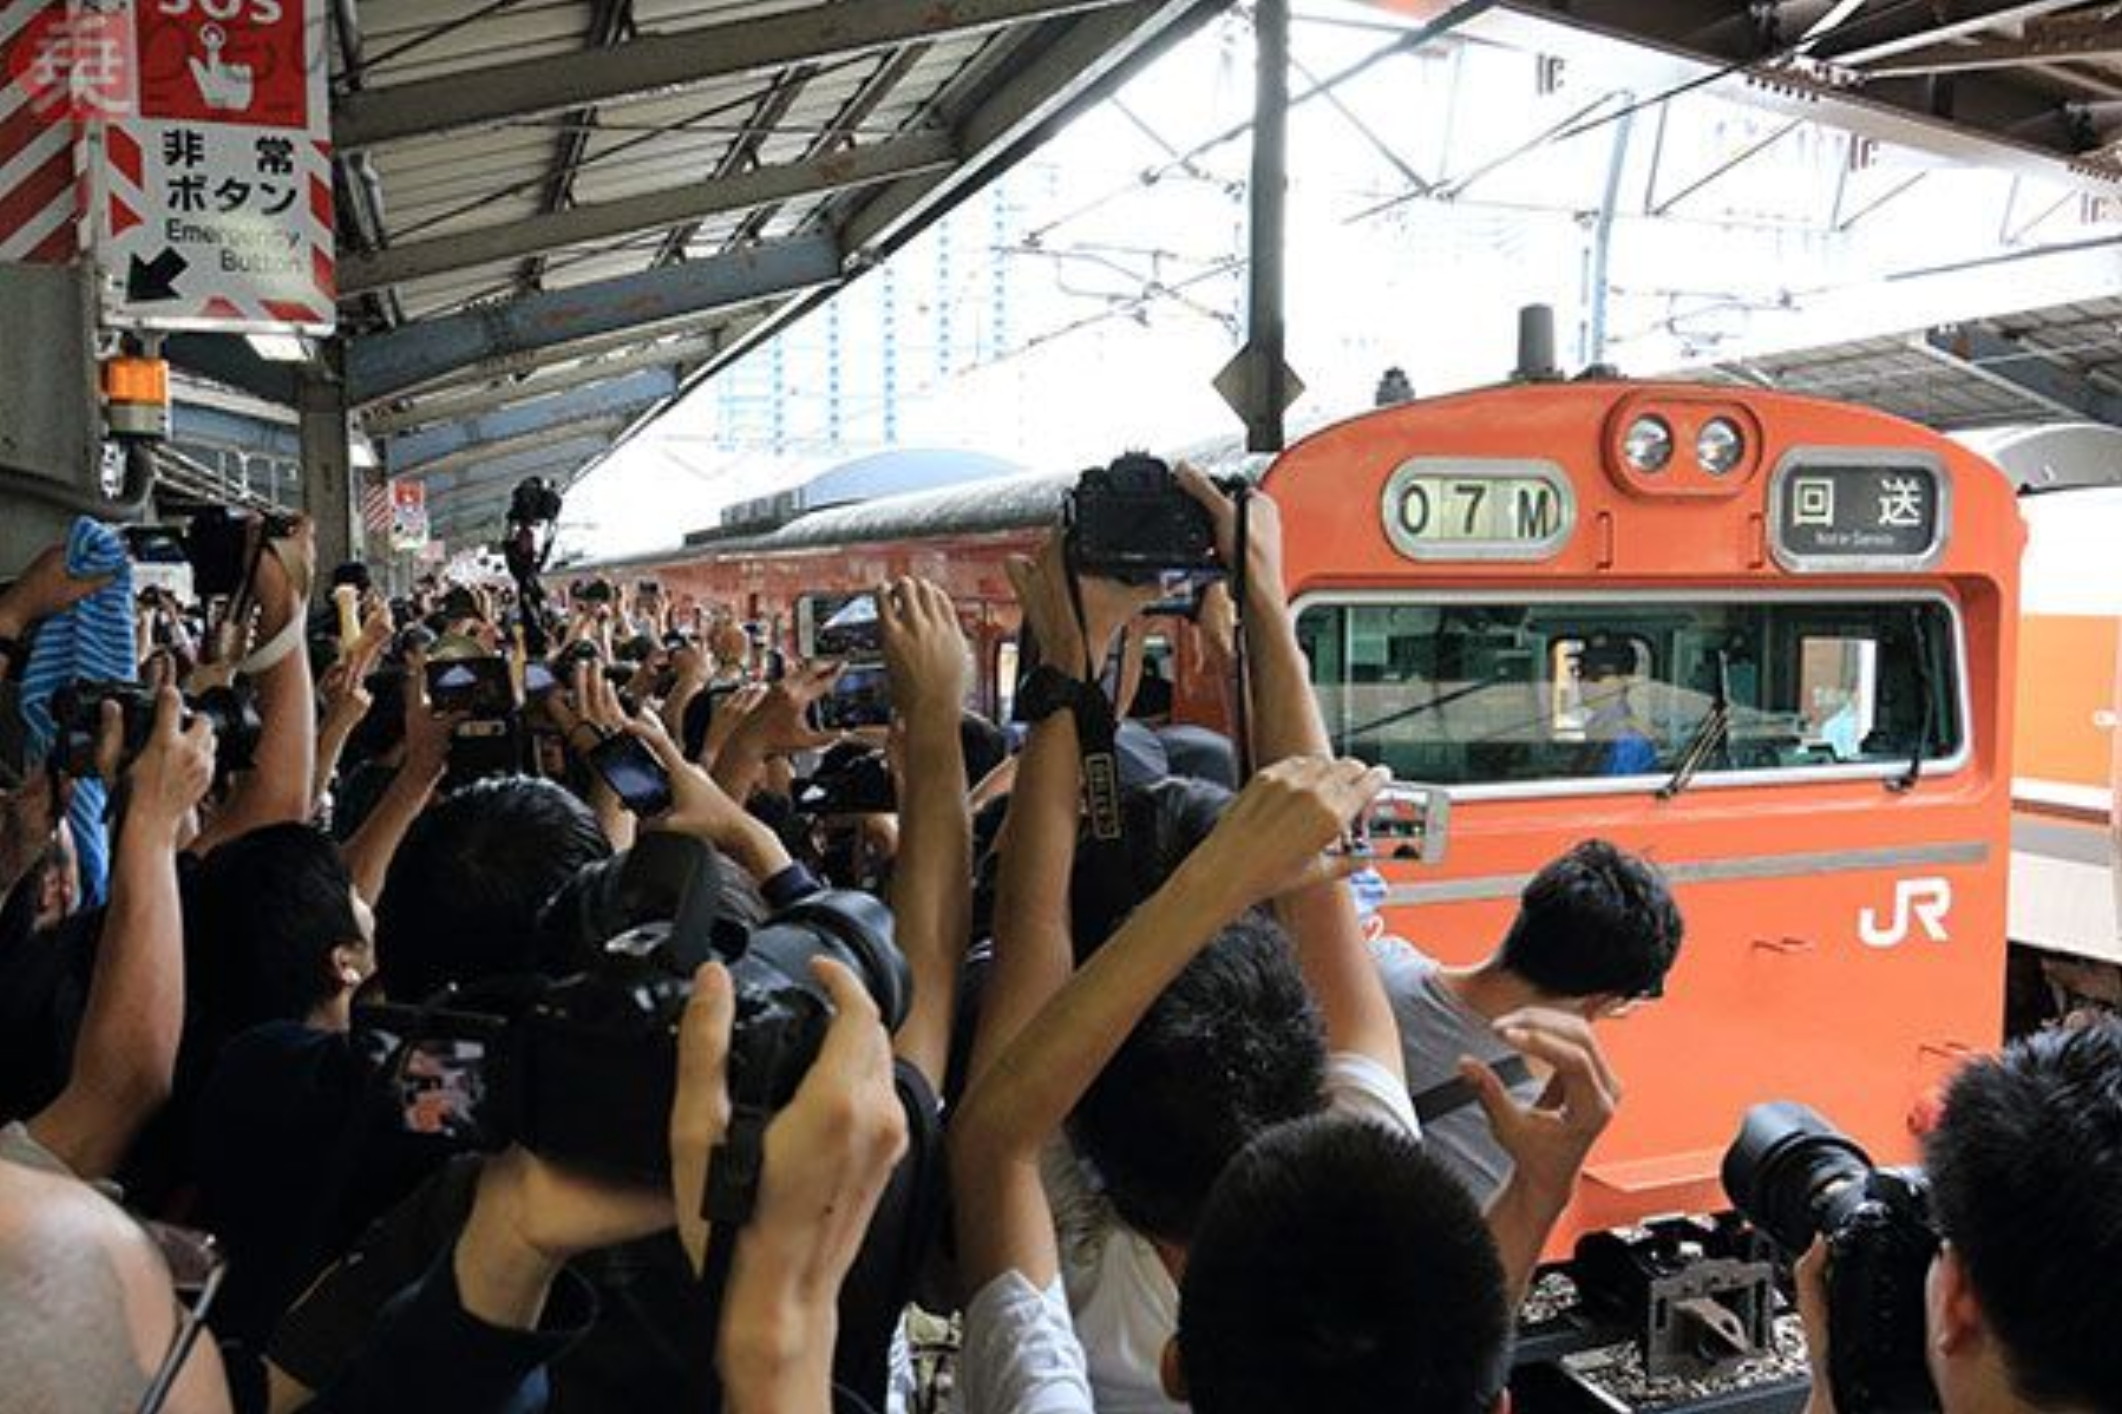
(93, 639)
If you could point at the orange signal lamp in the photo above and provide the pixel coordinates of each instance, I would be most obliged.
(136, 396)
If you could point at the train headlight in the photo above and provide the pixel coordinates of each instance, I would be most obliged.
(1720, 446)
(1649, 444)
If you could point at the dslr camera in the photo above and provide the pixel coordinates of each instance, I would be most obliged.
(217, 543)
(583, 1069)
(77, 720)
(1796, 1177)
(1132, 521)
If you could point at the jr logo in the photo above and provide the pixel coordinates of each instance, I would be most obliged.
(1916, 901)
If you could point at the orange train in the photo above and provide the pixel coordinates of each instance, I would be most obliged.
(1805, 616)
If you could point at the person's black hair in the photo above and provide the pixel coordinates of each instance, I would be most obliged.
(2026, 1184)
(462, 897)
(1596, 920)
(699, 715)
(1337, 1266)
(1164, 822)
(268, 907)
(983, 744)
(1200, 753)
(1232, 1047)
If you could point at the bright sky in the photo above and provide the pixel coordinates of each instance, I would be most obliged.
(1084, 305)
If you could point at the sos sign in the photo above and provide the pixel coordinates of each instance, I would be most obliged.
(224, 61)
(1442, 508)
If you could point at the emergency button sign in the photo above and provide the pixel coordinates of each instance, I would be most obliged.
(224, 61)
(216, 194)
(1451, 509)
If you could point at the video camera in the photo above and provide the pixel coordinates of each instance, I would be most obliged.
(1132, 521)
(1796, 1177)
(583, 1069)
(77, 720)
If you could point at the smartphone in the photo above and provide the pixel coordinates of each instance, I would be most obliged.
(633, 773)
(1403, 821)
(479, 687)
(538, 679)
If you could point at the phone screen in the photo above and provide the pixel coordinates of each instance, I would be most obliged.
(479, 686)
(633, 773)
(538, 679)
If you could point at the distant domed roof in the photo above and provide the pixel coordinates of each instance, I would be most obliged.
(890, 473)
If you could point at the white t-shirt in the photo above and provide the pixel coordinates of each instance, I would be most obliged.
(1122, 1296)
(1021, 1354)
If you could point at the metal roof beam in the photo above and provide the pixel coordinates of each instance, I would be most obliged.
(1093, 49)
(613, 397)
(1992, 17)
(404, 358)
(651, 211)
(2019, 368)
(2003, 54)
(605, 425)
(688, 340)
(504, 470)
(673, 358)
(662, 63)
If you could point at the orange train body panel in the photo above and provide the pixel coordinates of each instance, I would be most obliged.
(1793, 982)
(1774, 995)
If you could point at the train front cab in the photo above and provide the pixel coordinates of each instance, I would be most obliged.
(1545, 598)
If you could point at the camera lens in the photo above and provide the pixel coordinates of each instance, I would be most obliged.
(852, 929)
(1792, 1173)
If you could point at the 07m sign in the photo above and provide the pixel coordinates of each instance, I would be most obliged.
(214, 198)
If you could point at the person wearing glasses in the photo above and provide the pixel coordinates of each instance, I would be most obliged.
(1596, 932)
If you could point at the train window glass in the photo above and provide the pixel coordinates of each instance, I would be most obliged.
(1485, 693)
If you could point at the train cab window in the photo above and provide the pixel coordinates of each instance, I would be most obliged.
(1473, 693)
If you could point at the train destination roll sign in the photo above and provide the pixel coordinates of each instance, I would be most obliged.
(1447, 508)
(1835, 514)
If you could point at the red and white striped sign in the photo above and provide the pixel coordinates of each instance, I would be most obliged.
(214, 207)
(61, 69)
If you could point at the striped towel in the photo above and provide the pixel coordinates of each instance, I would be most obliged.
(93, 639)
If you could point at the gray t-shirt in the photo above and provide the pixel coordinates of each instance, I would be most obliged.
(1436, 1029)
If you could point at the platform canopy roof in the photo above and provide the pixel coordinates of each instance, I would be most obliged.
(2058, 364)
(555, 215)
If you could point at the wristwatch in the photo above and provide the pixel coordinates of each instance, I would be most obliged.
(1048, 690)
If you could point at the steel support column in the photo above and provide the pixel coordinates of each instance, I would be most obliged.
(327, 457)
(405, 358)
(1266, 388)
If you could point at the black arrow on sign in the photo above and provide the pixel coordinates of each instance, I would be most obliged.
(151, 280)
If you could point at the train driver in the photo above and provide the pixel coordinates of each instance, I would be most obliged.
(1616, 744)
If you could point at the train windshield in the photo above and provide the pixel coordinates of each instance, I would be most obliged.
(1478, 691)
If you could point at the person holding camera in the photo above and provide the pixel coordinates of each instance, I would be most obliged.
(2015, 1309)
(107, 1314)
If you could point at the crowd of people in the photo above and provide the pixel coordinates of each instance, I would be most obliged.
(499, 1000)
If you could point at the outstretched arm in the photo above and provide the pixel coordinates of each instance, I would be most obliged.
(932, 874)
(127, 1050)
(1266, 845)
(276, 789)
(1286, 722)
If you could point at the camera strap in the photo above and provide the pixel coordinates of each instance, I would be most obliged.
(1240, 586)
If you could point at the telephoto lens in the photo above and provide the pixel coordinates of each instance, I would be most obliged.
(1798, 1178)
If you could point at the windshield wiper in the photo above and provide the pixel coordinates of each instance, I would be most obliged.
(1709, 734)
(1913, 772)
